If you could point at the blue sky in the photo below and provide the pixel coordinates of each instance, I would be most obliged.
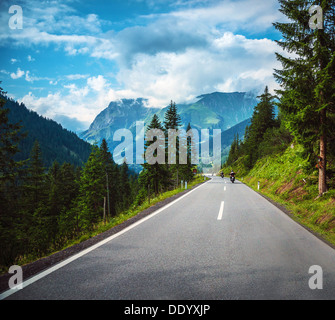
(72, 57)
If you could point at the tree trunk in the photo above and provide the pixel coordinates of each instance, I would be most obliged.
(323, 159)
(322, 166)
(323, 120)
(104, 217)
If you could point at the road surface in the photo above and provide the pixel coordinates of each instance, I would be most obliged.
(219, 241)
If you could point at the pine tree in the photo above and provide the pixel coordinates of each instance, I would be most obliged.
(35, 212)
(36, 178)
(55, 198)
(263, 118)
(10, 191)
(91, 191)
(186, 170)
(108, 164)
(307, 80)
(234, 151)
(155, 174)
(172, 121)
(125, 188)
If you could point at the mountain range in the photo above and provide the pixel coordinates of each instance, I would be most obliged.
(229, 112)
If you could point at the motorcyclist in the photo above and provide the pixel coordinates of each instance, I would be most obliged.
(232, 176)
(222, 174)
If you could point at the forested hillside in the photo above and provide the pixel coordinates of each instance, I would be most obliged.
(55, 142)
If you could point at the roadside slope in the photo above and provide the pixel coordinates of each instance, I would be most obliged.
(282, 178)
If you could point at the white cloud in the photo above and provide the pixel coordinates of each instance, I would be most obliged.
(176, 55)
(97, 83)
(28, 78)
(230, 63)
(80, 103)
(32, 78)
(4, 72)
(19, 73)
(76, 76)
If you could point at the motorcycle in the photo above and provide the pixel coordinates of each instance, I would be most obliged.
(232, 179)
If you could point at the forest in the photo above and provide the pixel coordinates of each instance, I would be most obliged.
(44, 208)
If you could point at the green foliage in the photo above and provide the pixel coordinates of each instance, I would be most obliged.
(172, 119)
(234, 152)
(263, 119)
(9, 190)
(155, 176)
(307, 80)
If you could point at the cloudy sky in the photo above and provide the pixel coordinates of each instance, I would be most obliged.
(72, 57)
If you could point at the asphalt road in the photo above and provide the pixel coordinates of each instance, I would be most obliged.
(219, 241)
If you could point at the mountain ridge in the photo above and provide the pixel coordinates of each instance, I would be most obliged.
(217, 110)
(56, 142)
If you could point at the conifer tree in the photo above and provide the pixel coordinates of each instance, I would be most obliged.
(172, 121)
(187, 169)
(108, 163)
(263, 118)
(154, 174)
(10, 191)
(125, 188)
(91, 190)
(307, 79)
(35, 180)
(234, 150)
(55, 198)
(35, 212)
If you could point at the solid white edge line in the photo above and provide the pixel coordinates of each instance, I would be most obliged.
(46, 272)
(221, 210)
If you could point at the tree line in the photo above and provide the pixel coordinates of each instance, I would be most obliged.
(42, 209)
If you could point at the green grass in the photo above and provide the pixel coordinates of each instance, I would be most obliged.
(283, 180)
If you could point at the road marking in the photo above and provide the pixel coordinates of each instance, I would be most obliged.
(41, 275)
(221, 210)
(225, 188)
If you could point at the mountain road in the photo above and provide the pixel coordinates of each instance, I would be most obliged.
(219, 241)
